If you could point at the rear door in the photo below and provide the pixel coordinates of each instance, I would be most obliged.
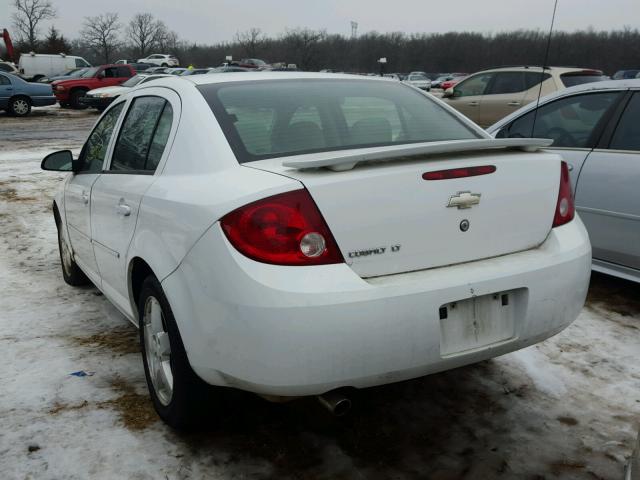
(140, 146)
(468, 94)
(6, 90)
(608, 194)
(503, 96)
(77, 196)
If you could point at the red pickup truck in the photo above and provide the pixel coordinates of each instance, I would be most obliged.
(69, 92)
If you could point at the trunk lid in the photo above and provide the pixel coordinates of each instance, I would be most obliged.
(386, 218)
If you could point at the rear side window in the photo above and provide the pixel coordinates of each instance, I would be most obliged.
(5, 67)
(569, 121)
(124, 72)
(4, 80)
(533, 79)
(627, 134)
(143, 135)
(266, 119)
(507, 82)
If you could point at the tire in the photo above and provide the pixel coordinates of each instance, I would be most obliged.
(184, 400)
(20, 106)
(74, 99)
(70, 270)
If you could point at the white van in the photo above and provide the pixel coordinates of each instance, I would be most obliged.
(38, 65)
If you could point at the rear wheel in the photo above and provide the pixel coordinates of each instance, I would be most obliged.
(179, 396)
(74, 99)
(19, 106)
(70, 270)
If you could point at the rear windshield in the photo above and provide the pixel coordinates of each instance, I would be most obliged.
(571, 79)
(266, 119)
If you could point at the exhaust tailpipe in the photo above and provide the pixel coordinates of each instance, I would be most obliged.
(335, 402)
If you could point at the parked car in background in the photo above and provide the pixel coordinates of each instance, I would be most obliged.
(452, 81)
(161, 60)
(625, 74)
(437, 82)
(250, 63)
(69, 92)
(596, 129)
(419, 81)
(101, 98)
(176, 71)
(393, 76)
(253, 251)
(196, 71)
(157, 70)
(229, 69)
(487, 96)
(38, 65)
(75, 73)
(17, 96)
(8, 67)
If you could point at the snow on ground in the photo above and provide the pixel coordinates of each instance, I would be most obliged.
(566, 408)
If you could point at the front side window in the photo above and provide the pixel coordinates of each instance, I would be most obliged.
(473, 86)
(143, 135)
(94, 151)
(111, 72)
(627, 134)
(266, 119)
(569, 121)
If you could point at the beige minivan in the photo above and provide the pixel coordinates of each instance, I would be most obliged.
(487, 96)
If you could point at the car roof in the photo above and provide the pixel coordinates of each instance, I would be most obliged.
(231, 77)
(584, 87)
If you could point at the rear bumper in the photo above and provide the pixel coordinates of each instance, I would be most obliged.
(96, 102)
(296, 331)
(43, 101)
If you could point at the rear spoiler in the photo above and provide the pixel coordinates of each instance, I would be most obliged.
(346, 161)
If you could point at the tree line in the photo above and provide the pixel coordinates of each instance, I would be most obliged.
(104, 38)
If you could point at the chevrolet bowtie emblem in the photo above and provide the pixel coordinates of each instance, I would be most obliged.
(464, 200)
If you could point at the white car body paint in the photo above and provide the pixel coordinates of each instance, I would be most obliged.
(282, 330)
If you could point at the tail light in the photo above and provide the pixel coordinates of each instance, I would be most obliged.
(285, 229)
(565, 208)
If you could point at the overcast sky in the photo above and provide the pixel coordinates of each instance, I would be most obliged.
(211, 21)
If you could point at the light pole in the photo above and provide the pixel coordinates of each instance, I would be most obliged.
(382, 62)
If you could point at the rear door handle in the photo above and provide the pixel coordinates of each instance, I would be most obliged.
(85, 197)
(514, 104)
(473, 104)
(570, 166)
(123, 209)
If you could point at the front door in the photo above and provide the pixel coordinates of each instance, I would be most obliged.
(467, 95)
(77, 196)
(116, 196)
(608, 194)
(6, 90)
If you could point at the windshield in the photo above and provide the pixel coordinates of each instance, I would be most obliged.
(267, 119)
(78, 73)
(133, 81)
(90, 72)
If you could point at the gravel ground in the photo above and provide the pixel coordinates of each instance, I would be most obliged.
(566, 408)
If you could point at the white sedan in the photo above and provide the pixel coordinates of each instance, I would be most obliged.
(290, 234)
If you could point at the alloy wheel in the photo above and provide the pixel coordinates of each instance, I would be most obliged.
(157, 350)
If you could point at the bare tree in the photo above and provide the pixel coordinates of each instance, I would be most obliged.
(168, 41)
(146, 32)
(304, 45)
(100, 33)
(28, 16)
(250, 41)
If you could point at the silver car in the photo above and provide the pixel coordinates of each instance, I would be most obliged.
(596, 128)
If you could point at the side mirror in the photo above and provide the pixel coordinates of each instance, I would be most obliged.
(449, 92)
(61, 161)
